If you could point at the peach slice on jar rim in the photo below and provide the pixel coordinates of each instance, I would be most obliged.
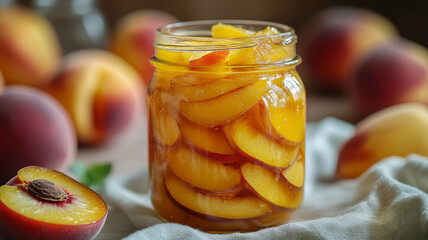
(268, 185)
(202, 172)
(239, 207)
(245, 137)
(40, 198)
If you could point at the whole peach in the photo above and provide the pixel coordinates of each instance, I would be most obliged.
(133, 39)
(101, 92)
(399, 130)
(34, 129)
(394, 73)
(29, 49)
(335, 39)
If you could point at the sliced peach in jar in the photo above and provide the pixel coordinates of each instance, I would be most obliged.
(220, 57)
(212, 89)
(202, 172)
(163, 124)
(239, 207)
(269, 186)
(283, 110)
(224, 108)
(210, 141)
(245, 137)
(284, 122)
(295, 174)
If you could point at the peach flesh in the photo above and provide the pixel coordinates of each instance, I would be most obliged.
(22, 215)
(266, 184)
(235, 208)
(245, 137)
(195, 169)
(210, 141)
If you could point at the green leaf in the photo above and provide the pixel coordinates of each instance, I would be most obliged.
(91, 176)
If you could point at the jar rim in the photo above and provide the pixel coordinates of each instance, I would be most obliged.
(177, 34)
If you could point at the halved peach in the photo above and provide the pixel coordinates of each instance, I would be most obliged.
(210, 141)
(239, 207)
(163, 124)
(202, 172)
(212, 89)
(268, 185)
(41, 203)
(224, 108)
(246, 138)
(295, 174)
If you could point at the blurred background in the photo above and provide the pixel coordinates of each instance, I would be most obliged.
(93, 22)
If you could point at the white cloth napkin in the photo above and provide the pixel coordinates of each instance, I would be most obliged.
(389, 201)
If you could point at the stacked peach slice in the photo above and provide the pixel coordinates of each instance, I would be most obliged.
(226, 147)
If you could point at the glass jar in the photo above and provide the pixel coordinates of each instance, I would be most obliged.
(226, 125)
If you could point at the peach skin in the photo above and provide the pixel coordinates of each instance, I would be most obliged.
(394, 73)
(335, 39)
(101, 93)
(29, 49)
(395, 131)
(34, 130)
(41, 203)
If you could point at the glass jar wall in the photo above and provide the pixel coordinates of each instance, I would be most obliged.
(227, 113)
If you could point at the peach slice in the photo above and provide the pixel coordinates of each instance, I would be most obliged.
(201, 172)
(43, 199)
(241, 207)
(244, 135)
(284, 122)
(163, 124)
(221, 30)
(268, 185)
(212, 89)
(224, 108)
(212, 58)
(210, 141)
(295, 174)
(283, 110)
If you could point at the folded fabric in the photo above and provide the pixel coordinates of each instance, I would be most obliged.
(389, 201)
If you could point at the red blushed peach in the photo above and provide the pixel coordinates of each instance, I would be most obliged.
(34, 129)
(334, 40)
(41, 203)
(133, 39)
(394, 73)
(1, 82)
(29, 49)
(101, 93)
(399, 130)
